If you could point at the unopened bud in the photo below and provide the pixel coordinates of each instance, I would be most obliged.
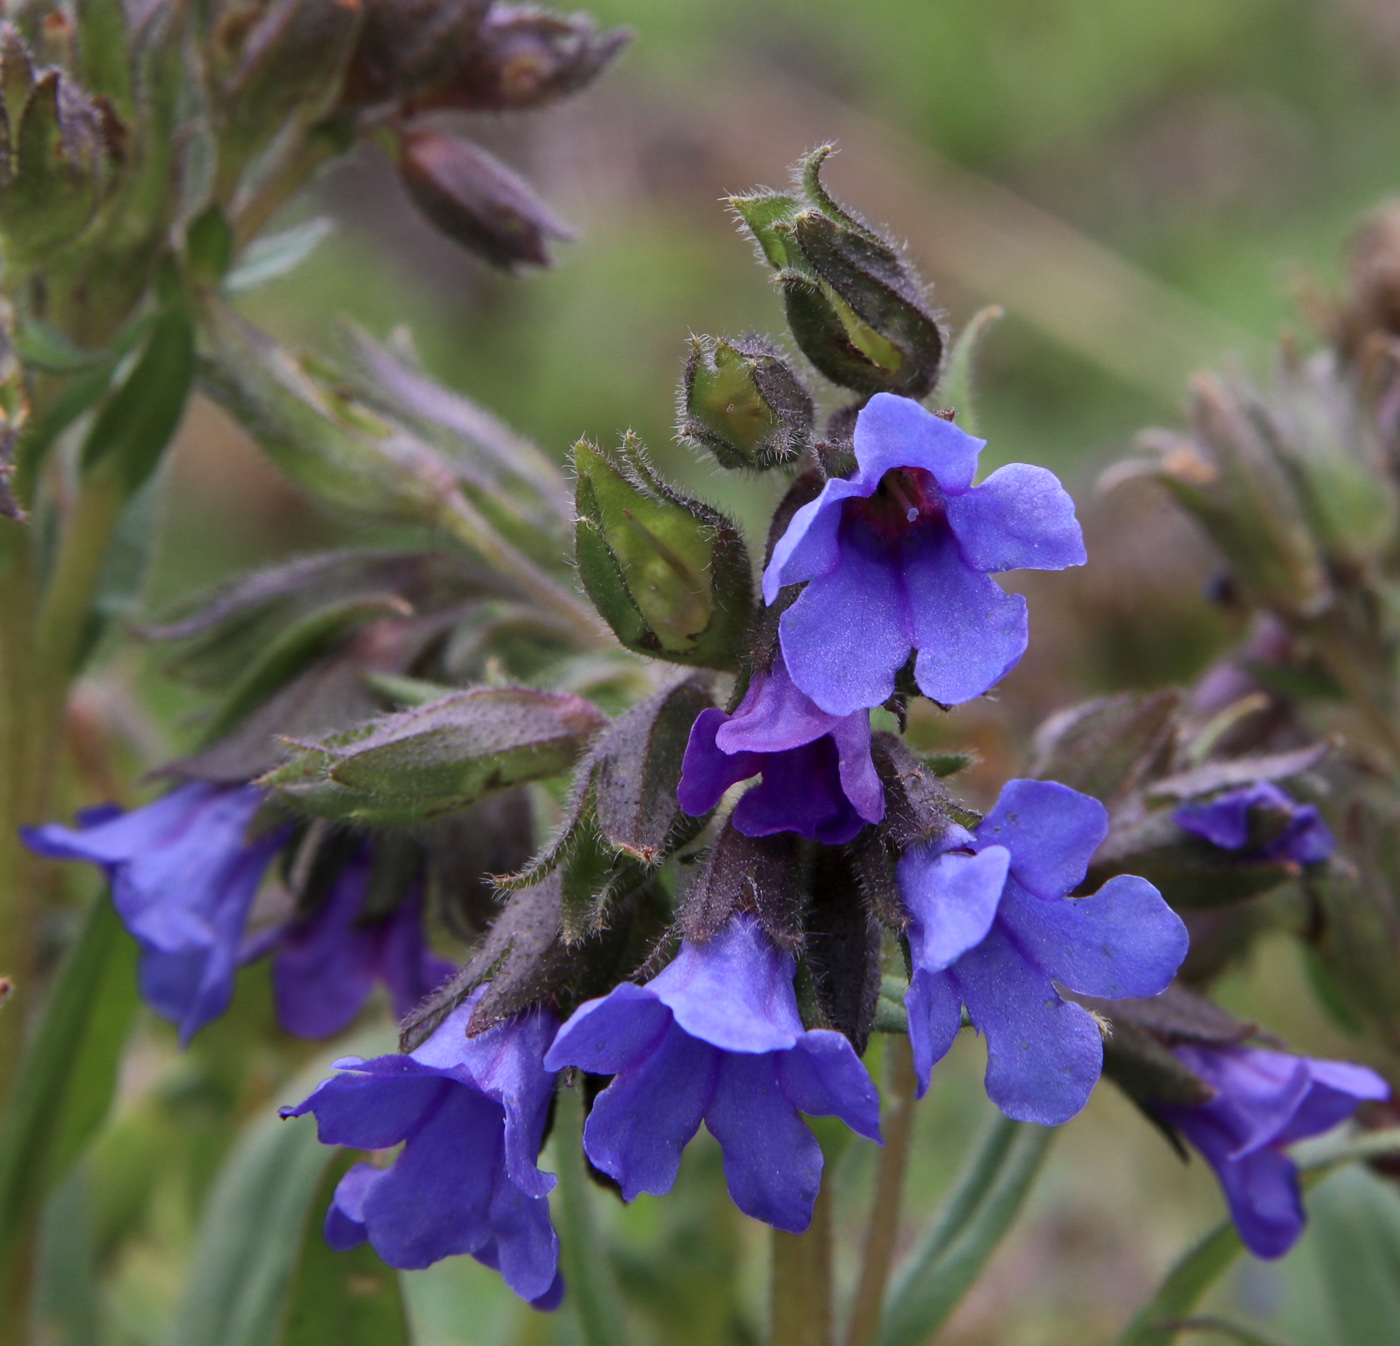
(670, 575)
(524, 57)
(744, 404)
(477, 201)
(409, 46)
(854, 303)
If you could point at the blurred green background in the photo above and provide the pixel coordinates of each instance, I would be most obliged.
(1143, 188)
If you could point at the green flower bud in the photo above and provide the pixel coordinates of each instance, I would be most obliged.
(744, 404)
(854, 304)
(670, 575)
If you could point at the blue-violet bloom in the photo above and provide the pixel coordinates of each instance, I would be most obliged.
(992, 927)
(818, 776)
(1225, 821)
(1263, 1101)
(471, 1115)
(184, 872)
(327, 963)
(716, 1037)
(898, 558)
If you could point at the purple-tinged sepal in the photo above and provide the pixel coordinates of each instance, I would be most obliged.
(471, 1115)
(992, 927)
(716, 1037)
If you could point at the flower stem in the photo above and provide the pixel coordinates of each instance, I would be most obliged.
(883, 1229)
(591, 1288)
(801, 1294)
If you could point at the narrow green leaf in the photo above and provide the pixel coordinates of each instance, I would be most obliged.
(69, 1073)
(278, 254)
(251, 1238)
(965, 1232)
(592, 1292)
(137, 422)
(341, 1299)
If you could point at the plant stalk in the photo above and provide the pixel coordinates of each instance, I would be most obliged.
(882, 1232)
(801, 1294)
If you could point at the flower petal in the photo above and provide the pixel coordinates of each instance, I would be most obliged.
(1051, 831)
(934, 1004)
(810, 545)
(772, 1161)
(641, 1123)
(953, 900)
(345, 1217)
(823, 1077)
(969, 633)
(1338, 1088)
(1123, 941)
(734, 992)
(801, 791)
(527, 1248)
(847, 635)
(1044, 1055)
(602, 1036)
(893, 431)
(707, 771)
(859, 779)
(1020, 518)
(774, 715)
(436, 1199)
(374, 1106)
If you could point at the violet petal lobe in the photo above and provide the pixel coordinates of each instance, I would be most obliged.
(953, 900)
(969, 632)
(801, 791)
(1051, 831)
(1020, 518)
(848, 634)
(1224, 821)
(1044, 1054)
(893, 431)
(345, 1217)
(734, 992)
(1122, 941)
(772, 1162)
(934, 1004)
(774, 715)
(527, 1248)
(810, 547)
(823, 1077)
(1337, 1088)
(707, 771)
(603, 1035)
(641, 1123)
(860, 781)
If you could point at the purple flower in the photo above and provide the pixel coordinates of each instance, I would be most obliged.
(898, 556)
(326, 964)
(818, 777)
(716, 1038)
(184, 872)
(1263, 1101)
(1225, 822)
(992, 927)
(471, 1115)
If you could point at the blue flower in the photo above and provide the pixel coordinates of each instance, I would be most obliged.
(818, 776)
(184, 872)
(897, 558)
(992, 927)
(471, 1114)
(327, 963)
(1226, 821)
(716, 1038)
(1263, 1101)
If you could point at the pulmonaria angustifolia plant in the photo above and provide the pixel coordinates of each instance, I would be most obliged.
(620, 811)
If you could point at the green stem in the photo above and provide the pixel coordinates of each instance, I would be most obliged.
(801, 1294)
(883, 1229)
(592, 1288)
(966, 1232)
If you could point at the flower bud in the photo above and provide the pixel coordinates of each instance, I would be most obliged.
(477, 201)
(854, 303)
(523, 57)
(670, 575)
(53, 156)
(1231, 477)
(408, 46)
(744, 403)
